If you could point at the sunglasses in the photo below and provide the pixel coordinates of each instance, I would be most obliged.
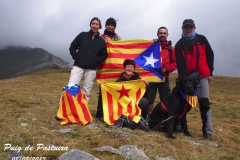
(188, 27)
(162, 33)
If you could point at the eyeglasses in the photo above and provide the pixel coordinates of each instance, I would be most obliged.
(188, 27)
(162, 33)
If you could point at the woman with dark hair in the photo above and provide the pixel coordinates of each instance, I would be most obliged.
(109, 35)
(109, 32)
(128, 75)
(88, 50)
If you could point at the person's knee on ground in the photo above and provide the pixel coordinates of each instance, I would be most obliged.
(143, 104)
(150, 108)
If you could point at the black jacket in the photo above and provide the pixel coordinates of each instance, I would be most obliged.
(134, 77)
(88, 52)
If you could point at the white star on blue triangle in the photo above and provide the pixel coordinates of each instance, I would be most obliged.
(149, 59)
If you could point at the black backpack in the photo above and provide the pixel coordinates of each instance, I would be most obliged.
(169, 49)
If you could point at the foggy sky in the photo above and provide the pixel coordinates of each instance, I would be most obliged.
(52, 25)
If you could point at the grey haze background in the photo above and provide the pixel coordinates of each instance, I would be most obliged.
(52, 25)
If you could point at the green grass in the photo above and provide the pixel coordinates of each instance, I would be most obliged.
(34, 99)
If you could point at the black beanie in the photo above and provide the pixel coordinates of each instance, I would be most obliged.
(111, 21)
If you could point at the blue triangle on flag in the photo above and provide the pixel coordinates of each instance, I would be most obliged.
(150, 59)
(73, 90)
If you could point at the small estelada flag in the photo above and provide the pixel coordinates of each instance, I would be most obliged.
(192, 100)
(122, 98)
(73, 107)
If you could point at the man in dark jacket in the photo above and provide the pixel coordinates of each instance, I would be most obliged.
(88, 50)
(193, 52)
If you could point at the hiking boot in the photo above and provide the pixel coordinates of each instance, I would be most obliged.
(208, 136)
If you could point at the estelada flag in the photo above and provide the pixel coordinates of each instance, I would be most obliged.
(73, 107)
(191, 99)
(122, 98)
(145, 53)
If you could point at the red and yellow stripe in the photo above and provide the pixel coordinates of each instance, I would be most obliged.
(192, 100)
(73, 109)
(113, 107)
(118, 51)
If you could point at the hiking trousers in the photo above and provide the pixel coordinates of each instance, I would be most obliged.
(203, 99)
(89, 77)
(162, 87)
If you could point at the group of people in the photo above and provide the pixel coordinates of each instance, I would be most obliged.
(191, 52)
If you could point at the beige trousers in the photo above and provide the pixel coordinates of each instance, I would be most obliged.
(89, 77)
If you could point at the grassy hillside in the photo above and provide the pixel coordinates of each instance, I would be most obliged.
(33, 100)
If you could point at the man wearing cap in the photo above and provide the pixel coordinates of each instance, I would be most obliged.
(193, 52)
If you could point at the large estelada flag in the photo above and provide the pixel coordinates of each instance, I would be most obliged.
(73, 107)
(121, 98)
(145, 53)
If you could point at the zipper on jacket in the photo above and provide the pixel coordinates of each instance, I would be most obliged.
(91, 45)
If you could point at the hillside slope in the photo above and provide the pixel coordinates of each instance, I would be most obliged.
(28, 105)
(18, 61)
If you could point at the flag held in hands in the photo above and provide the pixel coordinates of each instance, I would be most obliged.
(73, 107)
(122, 98)
(145, 53)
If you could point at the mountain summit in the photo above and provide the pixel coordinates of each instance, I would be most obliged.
(18, 60)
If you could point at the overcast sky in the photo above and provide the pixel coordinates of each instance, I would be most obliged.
(52, 25)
